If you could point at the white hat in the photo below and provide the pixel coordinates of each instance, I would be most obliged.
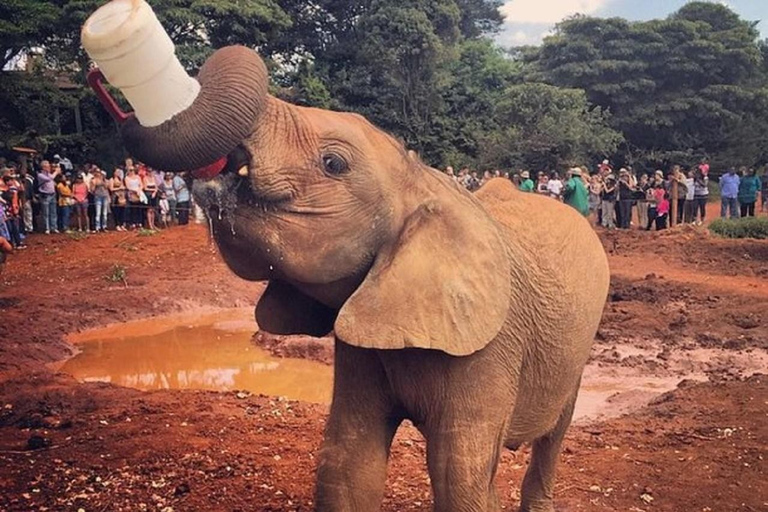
(525, 175)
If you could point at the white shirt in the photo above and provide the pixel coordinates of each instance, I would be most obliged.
(555, 187)
(689, 193)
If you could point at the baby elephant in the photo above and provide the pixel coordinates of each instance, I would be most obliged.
(470, 315)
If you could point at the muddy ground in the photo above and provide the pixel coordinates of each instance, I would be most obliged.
(684, 308)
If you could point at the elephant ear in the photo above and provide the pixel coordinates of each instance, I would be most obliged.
(283, 309)
(444, 284)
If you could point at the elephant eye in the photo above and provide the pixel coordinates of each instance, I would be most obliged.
(334, 164)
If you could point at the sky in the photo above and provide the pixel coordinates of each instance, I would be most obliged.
(528, 21)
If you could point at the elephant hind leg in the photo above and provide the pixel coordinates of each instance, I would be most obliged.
(538, 484)
(462, 463)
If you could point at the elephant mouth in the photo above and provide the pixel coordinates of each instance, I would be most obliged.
(229, 193)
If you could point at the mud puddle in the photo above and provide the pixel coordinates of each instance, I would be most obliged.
(211, 351)
(214, 351)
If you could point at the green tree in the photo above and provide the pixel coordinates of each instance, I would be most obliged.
(679, 89)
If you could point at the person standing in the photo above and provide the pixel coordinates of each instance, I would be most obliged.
(689, 214)
(80, 192)
(626, 196)
(729, 193)
(555, 185)
(527, 183)
(100, 192)
(66, 199)
(642, 204)
(151, 189)
(119, 199)
(28, 197)
(182, 198)
(700, 196)
(749, 186)
(609, 202)
(134, 192)
(47, 190)
(170, 194)
(662, 208)
(9, 190)
(575, 193)
(595, 187)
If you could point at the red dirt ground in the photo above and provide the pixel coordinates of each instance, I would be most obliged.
(681, 303)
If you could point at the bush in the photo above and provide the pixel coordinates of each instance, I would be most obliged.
(750, 227)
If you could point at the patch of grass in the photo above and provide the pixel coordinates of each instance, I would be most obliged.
(77, 235)
(127, 246)
(146, 232)
(118, 274)
(749, 227)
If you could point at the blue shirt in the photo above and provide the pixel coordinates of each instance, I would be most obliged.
(180, 187)
(729, 185)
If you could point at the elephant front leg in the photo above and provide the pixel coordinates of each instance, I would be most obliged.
(462, 461)
(352, 465)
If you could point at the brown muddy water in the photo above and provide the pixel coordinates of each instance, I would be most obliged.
(210, 351)
(214, 351)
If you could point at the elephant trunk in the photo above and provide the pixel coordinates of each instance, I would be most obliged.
(178, 123)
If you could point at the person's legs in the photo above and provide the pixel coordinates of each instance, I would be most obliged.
(13, 229)
(651, 217)
(625, 213)
(751, 209)
(172, 210)
(28, 224)
(680, 210)
(183, 209)
(702, 203)
(66, 212)
(734, 208)
(723, 207)
(661, 222)
(53, 218)
(45, 205)
(743, 209)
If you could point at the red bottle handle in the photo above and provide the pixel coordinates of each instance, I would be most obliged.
(96, 81)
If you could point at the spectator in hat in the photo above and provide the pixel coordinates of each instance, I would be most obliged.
(526, 184)
(575, 193)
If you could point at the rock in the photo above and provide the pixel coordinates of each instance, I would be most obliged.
(37, 442)
(181, 489)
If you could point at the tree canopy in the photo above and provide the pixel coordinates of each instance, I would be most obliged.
(679, 89)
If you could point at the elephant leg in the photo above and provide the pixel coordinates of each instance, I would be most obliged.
(462, 463)
(352, 466)
(538, 485)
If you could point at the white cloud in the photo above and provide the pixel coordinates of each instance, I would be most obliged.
(519, 37)
(548, 11)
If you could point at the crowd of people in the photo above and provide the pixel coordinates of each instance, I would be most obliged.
(56, 197)
(615, 199)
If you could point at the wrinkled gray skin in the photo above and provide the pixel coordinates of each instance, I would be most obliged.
(316, 234)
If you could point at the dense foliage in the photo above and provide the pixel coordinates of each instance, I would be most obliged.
(648, 93)
(679, 89)
(751, 227)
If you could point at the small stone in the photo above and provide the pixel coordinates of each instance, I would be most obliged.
(181, 489)
(37, 442)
